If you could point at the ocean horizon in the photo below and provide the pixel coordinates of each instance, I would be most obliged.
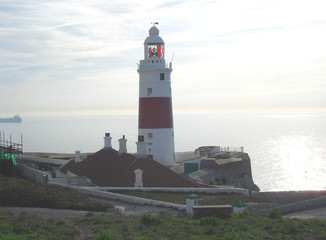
(287, 150)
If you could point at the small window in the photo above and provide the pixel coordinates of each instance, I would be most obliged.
(161, 76)
(149, 91)
(150, 135)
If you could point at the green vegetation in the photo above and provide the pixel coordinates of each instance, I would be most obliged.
(22, 193)
(245, 225)
(25, 226)
(204, 198)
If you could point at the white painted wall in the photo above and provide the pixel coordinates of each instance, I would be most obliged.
(107, 142)
(184, 156)
(122, 146)
(161, 145)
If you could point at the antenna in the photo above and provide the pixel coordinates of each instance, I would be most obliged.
(172, 56)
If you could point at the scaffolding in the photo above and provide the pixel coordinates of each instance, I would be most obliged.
(10, 152)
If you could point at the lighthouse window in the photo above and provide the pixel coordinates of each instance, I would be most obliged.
(161, 76)
(149, 91)
(150, 135)
(155, 50)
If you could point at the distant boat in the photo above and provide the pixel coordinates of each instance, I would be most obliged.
(15, 119)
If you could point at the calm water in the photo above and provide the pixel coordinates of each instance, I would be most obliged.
(288, 151)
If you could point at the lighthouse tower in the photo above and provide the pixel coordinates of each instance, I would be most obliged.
(155, 120)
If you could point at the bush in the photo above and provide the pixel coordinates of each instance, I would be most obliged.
(244, 214)
(149, 220)
(275, 213)
(25, 226)
(102, 235)
(212, 221)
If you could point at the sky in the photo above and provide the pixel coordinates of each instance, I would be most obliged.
(74, 57)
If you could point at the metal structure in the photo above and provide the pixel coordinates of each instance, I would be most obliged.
(9, 153)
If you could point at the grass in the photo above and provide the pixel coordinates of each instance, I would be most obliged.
(23, 193)
(204, 198)
(245, 225)
(25, 226)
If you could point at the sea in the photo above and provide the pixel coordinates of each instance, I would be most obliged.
(287, 150)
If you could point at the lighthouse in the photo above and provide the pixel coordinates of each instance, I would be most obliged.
(155, 118)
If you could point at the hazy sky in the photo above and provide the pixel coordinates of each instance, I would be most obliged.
(79, 57)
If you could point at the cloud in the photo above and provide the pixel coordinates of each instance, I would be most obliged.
(86, 52)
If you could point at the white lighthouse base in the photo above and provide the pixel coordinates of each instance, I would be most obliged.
(160, 144)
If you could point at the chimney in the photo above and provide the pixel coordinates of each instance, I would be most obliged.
(122, 145)
(77, 157)
(138, 178)
(107, 141)
(141, 147)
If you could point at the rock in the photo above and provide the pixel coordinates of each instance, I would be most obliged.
(234, 170)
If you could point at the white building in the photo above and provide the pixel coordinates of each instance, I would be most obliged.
(155, 119)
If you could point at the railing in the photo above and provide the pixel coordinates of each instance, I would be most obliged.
(232, 149)
(153, 63)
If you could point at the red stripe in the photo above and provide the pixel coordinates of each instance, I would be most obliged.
(159, 51)
(155, 112)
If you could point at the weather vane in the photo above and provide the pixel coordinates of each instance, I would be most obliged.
(154, 23)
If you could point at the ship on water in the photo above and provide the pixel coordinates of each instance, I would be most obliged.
(15, 119)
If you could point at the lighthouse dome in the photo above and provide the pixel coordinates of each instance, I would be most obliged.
(153, 37)
(154, 31)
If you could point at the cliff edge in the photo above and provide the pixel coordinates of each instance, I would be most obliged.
(226, 168)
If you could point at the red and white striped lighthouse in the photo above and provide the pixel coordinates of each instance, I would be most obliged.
(155, 119)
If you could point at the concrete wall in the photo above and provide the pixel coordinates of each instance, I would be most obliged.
(182, 156)
(185, 190)
(221, 211)
(77, 181)
(47, 160)
(296, 207)
(33, 174)
(126, 198)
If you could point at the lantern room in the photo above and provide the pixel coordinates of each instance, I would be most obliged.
(154, 44)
